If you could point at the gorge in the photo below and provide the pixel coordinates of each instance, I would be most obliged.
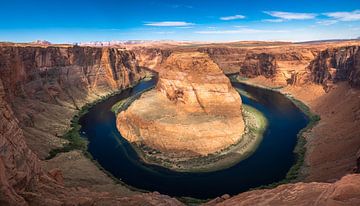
(42, 87)
(200, 113)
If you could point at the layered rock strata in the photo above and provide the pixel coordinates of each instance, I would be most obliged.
(46, 85)
(337, 64)
(194, 109)
(346, 191)
(333, 150)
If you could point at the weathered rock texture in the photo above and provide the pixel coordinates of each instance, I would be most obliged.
(40, 90)
(200, 111)
(259, 64)
(46, 85)
(18, 164)
(343, 192)
(337, 64)
(42, 86)
(282, 63)
(151, 58)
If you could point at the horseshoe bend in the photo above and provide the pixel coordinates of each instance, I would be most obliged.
(217, 103)
(193, 110)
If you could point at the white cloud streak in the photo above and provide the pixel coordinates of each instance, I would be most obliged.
(273, 20)
(291, 15)
(327, 22)
(227, 18)
(169, 24)
(344, 16)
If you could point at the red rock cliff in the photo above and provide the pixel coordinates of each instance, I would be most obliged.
(46, 85)
(337, 64)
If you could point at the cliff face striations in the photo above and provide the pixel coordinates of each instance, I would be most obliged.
(259, 64)
(337, 64)
(200, 111)
(18, 164)
(46, 85)
(42, 87)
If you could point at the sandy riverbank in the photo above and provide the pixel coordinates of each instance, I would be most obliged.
(255, 126)
(332, 145)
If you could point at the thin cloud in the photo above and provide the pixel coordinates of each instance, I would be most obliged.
(169, 23)
(273, 20)
(291, 15)
(184, 27)
(227, 18)
(344, 16)
(240, 31)
(327, 22)
(240, 26)
(165, 32)
(175, 6)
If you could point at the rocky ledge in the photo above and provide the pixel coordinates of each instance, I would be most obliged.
(194, 111)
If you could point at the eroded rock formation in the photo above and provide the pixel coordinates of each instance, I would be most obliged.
(200, 111)
(46, 85)
(337, 64)
(259, 64)
(41, 87)
(343, 192)
(151, 58)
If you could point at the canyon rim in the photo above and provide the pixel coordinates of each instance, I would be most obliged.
(194, 105)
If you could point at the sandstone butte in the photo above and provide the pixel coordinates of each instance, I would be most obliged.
(194, 109)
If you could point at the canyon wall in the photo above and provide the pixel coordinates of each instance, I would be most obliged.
(335, 65)
(18, 164)
(41, 88)
(283, 65)
(345, 191)
(151, 58)
(293, 64)
(46, 85)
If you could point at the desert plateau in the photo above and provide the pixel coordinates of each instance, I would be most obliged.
(215, 103)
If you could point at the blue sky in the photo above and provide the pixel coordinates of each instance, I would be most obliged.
(197, 20)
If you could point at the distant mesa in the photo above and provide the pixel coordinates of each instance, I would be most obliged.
(41, 42)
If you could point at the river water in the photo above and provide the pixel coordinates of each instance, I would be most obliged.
(268, 164)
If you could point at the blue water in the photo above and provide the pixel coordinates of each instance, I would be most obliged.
(268, 164)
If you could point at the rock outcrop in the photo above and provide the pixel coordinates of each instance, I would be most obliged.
(200, 111)
(46, 85)
(259, 64)
(40, 90)
(337, 64)
(151, 58)
(41, 87)
(343, 192)
(18, 164)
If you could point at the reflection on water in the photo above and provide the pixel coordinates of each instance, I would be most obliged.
(268, 164)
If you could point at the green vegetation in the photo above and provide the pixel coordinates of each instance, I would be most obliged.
(75, 141)
(300, 149)
(245, 94)
(190, 201)
(293, 175)
(125, 103)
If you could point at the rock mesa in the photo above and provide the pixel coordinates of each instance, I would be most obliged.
(193, 109)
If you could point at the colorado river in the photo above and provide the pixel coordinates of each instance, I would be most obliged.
(269, 163)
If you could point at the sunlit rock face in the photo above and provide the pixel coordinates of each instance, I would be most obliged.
(193, 111)
(337, 64)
